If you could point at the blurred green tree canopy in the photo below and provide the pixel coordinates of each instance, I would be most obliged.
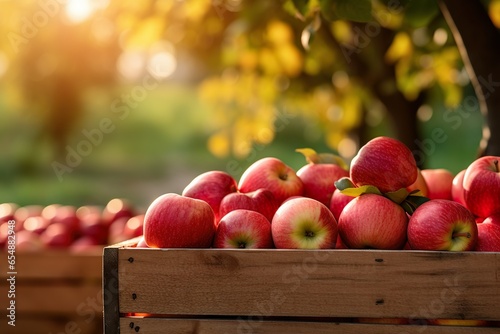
(345, 66)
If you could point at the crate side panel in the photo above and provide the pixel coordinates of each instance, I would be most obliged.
(338, 283)
(188, 326)
(55, 265)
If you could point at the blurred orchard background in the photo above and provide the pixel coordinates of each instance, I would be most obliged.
(132, 99)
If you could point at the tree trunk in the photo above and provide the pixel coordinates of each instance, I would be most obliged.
(478, 41)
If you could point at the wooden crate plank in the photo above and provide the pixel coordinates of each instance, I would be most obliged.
(61, 300)
(57, 264)
(333, 283)
(204, 326)
(28, 324)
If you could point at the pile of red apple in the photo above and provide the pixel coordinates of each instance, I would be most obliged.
(382, 201)
(69, 227)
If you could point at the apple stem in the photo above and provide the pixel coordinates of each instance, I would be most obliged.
(495, 162)
(309, 234)
(242, 245)
(461, 234)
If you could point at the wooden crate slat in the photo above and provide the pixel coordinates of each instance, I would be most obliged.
(27, 324)
(204, 326)
(55, 264)
(340, 283)
(55, 299)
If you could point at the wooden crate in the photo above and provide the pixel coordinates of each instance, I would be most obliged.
(217, 291)
(56, 292)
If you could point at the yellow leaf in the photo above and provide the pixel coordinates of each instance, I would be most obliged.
(494, 12)
(218, 144)
(401, 47)
(342, 31)
(279, 33)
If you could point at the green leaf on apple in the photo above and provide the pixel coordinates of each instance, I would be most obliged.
(397, 196)
(313, 157)
(412, 202)
(355, 192)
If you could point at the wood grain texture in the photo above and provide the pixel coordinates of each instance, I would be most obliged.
(57, 265)
(330, 283)
(203, 326)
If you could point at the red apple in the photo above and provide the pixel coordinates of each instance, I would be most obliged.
(243, 229)
(24, 212)
(260, 200)
(134, 226)
(304, 223)
(36, 224)
(174, 221)
(373, 221)
(116, 231)
(116, 209)
(66, 215)
(442, 225)
(57, 235)
(419, 184)
(385, 163)
(27, 241)
(320, 174)
(457, 188)
(488, 234)
(482, 186)
(211, 187)
(439, 183)
(7, 211)
(272, 174)
(94, 227)
(338, 203)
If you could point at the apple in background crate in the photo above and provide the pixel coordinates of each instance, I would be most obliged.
(272, 174)
(116, 209)
(260, 200)
(7, 211)
(439, 183)
(175, 221)
(320, 173)
(125, 229)
(442, 225)
(385, 163)
(488, 234)
(304, 223)
(243, 229)
(482, 186)
(211, 187)
(373, 221)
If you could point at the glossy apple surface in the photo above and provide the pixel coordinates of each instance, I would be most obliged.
(304, 223)
(488, 234)
(211, 187)
(272, 174)
(419, 184)
(385, 163)
(439, 183)
(373, 221)
(442, 225)
(482, 186)
(175, 221)
(338, 203)
(243, 229)
(260, 200)
(319, 180)
(457, 188)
